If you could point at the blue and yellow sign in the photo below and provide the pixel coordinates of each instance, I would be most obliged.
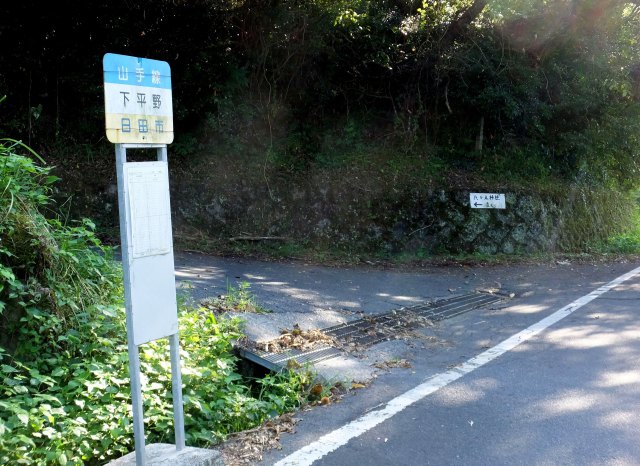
(137, 100)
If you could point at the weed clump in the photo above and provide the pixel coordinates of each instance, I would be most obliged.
(45, 264)
(64, 384)
(236, 299)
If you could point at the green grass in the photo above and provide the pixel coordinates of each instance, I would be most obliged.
(627, 243)
(236, 299)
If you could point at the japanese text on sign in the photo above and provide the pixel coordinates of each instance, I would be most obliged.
(138, 100)
(487, 201)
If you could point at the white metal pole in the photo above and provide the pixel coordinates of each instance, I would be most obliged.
(162, 154)
(176, 377)
(176, 386)
(134, 357)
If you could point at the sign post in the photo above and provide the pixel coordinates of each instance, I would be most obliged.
(139, 115)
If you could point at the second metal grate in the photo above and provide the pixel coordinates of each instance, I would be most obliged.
(374, 329)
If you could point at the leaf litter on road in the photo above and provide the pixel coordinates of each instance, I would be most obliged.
(247, 447)
(296, 338)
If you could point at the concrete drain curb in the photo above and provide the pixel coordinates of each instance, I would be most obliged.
(370, 330)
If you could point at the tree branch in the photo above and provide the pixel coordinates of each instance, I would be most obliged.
(460, 24)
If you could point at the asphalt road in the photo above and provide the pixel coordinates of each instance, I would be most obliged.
(566, 394)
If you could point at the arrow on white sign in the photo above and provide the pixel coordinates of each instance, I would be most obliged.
(487, 201)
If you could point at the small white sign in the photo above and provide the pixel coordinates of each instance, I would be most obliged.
(487, 201)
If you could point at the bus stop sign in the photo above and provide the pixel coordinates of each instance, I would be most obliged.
(137, 99)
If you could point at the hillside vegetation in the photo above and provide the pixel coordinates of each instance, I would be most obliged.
(343, 108)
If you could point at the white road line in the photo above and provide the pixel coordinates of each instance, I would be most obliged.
(333, 440)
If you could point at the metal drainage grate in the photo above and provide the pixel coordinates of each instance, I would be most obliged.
(447, 308)
(374, 329)
(278, 361)
(371, 330)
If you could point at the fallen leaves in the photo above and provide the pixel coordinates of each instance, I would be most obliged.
(325, 395)
(403, 363)
(396, 325)
(296, 338)
(316, 390)
(247, 447)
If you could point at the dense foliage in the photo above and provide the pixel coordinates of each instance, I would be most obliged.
(64, 384)
(44, 263)
(69, 402)
(546, 88)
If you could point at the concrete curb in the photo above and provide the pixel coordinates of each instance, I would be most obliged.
(165, 454)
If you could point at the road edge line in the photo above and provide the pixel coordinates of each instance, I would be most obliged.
(330, 442)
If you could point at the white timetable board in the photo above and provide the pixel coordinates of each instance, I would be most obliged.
(150, 251)
(148, 186)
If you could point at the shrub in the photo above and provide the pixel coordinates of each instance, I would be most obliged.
(64, 385)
